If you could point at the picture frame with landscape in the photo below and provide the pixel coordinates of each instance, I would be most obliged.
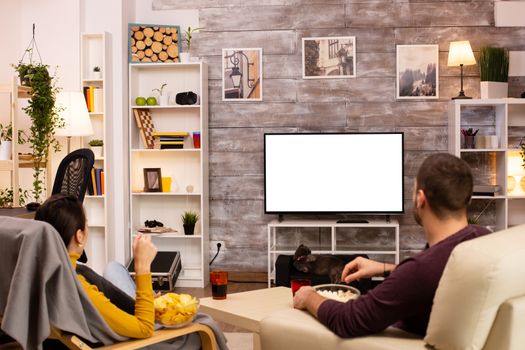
(329, 57)
(417, 74)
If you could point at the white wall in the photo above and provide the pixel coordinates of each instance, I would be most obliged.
(57, 28)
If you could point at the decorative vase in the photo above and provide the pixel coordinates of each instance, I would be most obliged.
(189, 229)
(184, 57)
(164, 99)
(5, 150)
(97, 151)
(493, 89)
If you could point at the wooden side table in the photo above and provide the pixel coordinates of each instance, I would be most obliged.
(247, 309)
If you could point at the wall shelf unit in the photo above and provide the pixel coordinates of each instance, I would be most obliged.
(336, 244)
(93, 53)
(11, 92)
(500, 165)
(186, 166)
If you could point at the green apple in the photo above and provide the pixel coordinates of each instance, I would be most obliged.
(151, 101)
(140, 101)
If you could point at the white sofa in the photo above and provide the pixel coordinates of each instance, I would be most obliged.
(479, 304)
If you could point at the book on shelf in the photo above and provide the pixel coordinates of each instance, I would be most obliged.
(168, 133)
(96, 185)
(171, 146)
(94, 98)
(486, 190)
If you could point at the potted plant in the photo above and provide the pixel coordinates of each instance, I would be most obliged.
(6, 140)
(189, 219)
(6, 197)
(44, 118)
(97, 72)
(163, 97)
(185, 56)
(96, 147)
(494, 72)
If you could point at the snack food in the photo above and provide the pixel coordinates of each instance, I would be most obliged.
(339, 295)
(173, 309)
(338, 292)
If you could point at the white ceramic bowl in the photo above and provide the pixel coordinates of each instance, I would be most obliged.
(339, 292)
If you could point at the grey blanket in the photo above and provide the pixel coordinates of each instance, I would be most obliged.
(39, 288)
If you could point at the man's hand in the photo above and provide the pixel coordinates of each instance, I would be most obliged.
(306, 298)
(144, 252)
(364, 268)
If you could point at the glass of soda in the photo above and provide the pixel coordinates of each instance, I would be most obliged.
(219, 284)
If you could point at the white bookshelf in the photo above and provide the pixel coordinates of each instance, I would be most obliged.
(186, 166)
(504, 118)
(93, 52)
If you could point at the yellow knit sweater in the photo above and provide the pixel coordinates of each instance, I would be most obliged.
(139, 325)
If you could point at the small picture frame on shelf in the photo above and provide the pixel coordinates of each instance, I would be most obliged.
(152, 180)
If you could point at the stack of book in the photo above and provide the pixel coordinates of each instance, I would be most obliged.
(170, 140)
(94, 99)
(96, 185)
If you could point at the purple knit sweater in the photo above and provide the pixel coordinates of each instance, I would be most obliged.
(404, 299)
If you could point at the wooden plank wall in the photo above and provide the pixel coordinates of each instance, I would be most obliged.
(366, 103)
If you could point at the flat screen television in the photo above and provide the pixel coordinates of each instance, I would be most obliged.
(333, 173)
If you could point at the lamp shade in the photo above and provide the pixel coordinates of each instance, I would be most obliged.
(460, 53)
(73, 110)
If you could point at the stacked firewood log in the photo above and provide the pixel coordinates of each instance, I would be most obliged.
(154, 44)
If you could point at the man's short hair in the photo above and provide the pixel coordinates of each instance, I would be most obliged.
(447, 183)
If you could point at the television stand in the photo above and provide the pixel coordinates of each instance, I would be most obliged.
(352, 221)
(285, 236)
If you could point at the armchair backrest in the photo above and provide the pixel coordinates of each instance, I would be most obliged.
(74, 173)
(480, 276)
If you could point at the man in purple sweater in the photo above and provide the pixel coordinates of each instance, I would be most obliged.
(441, 194)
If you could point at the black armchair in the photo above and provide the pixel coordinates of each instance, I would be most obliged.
(74, 172)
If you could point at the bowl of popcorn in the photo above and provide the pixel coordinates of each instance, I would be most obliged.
(175, 310)
(339, 292)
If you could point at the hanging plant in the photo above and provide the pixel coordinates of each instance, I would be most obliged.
(43, 113)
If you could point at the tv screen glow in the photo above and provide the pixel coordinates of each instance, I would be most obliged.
(333, 173)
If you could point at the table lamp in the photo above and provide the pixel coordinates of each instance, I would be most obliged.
(515, 175)
(460, 54)
(73, 110)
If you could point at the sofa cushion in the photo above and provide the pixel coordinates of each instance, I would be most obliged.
(293, 329)
(480, 275)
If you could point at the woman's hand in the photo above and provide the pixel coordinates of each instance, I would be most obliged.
(144, 252)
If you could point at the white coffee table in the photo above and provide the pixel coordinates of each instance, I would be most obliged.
(247, 309)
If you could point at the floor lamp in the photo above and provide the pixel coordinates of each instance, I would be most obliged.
(73, 111)
(460, 54)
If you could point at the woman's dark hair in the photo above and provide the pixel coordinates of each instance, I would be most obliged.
(447, 183)
(64, 213)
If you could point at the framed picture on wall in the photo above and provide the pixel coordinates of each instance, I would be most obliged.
(329, 57)
(152, 180)
(417, 75)
(242, 75)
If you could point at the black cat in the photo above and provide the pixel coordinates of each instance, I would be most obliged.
(317, 264)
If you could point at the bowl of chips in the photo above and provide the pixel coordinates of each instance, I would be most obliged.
(339, 292)
(175, 310)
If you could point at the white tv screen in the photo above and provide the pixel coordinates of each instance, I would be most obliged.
(333, 173)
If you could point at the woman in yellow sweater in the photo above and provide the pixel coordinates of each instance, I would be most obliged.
(66, 215)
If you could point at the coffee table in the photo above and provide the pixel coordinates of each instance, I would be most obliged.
(247, 309)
